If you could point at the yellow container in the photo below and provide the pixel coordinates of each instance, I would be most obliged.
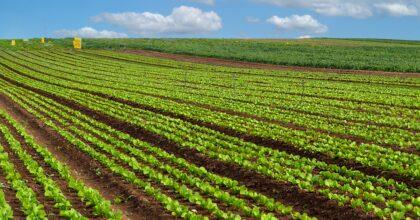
(42, 40)
(13, 43)
(77, 43)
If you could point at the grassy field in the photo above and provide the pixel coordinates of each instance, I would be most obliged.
(360, 54)
(98, 133)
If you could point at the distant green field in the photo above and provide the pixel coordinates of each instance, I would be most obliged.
(359, 54)
(362, 54)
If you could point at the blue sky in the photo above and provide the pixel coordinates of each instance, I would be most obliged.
(397, 19)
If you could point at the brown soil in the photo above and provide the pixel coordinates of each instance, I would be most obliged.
(254, 65)
(313, 203)
(135, 204)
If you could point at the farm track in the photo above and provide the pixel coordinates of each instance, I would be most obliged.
(244, 64)
(135, 204)
(150, 137)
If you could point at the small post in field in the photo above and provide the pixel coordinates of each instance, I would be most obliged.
(13, 43)
(42, 40)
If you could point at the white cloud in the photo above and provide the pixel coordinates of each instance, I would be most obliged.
(397, 9)
(305, 37)
(346, 9)
(207, 2)
(251, 19)
(352, 8)
(88, 32)
(182, 20)
(304, 23)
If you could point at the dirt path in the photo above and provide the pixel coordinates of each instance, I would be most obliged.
(254, 65)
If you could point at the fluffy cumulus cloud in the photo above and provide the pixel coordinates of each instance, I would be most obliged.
(182, 20)
(397, 9)
(352, 8)
(88, 32)
(302, 23)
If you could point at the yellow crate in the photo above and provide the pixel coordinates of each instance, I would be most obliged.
(77, 43)
(42, 40)
(13, 43)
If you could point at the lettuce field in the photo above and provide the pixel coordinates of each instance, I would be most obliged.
(97, 134)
